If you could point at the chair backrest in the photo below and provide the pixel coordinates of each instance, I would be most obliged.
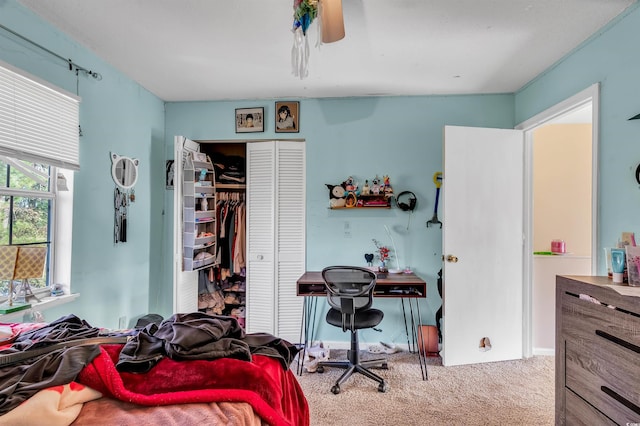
(349, 288)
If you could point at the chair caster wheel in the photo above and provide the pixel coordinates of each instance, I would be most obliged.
(382, 387)
(385, 366)
(320, 369)
(335, 389)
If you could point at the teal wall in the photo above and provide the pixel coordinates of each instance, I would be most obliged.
(399, 136)
(611, 59)
(116, 115)
(360, 137)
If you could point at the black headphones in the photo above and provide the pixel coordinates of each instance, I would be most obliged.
(412, 201)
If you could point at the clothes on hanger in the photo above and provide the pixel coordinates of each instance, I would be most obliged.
(231, 231)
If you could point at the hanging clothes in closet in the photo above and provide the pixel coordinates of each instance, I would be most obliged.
(231, 232)
(221, 288)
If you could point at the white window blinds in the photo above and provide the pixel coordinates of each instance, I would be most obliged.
(38, 122)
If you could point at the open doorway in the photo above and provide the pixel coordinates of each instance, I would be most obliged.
(564, 136)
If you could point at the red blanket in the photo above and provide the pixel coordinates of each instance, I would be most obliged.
(274, 393)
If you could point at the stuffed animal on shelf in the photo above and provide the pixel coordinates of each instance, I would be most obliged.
(336, 195)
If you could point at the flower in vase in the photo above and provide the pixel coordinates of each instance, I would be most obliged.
(383, 251)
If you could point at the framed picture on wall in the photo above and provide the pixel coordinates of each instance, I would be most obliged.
(169, 174)
(287, 117)
(249, 120)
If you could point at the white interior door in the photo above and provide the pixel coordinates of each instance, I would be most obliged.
(483, 229)
(185, 284)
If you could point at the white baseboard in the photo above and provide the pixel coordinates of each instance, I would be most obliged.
(544, 351)
(363, 346)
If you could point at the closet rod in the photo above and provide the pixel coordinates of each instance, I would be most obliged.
(72, 65)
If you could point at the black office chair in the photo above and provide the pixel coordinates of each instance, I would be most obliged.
(350, 295)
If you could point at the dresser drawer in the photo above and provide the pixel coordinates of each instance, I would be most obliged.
(581, 318)
(606, 375)
(581, 413)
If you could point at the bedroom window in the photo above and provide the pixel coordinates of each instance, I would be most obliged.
(27, 203)
(39, 144)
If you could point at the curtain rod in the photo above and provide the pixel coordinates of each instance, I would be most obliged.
(72, 65)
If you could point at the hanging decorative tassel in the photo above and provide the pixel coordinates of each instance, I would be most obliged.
(305, 11)
(300, 54)
(319, 26)
(330, 28)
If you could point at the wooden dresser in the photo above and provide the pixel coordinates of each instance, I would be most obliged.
(597, 353)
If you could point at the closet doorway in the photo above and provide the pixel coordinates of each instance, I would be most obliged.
(274, 193)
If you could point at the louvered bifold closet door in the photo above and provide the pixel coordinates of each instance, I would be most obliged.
(276, 241)
(290, 236)
(261, 307)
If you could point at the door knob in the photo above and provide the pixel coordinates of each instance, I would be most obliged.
(451, 258)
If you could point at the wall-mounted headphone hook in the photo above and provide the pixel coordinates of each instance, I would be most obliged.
(408, 205)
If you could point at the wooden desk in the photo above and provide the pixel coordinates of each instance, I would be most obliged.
(402, 286)
(387, 285)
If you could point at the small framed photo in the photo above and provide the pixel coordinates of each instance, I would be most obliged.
(287, 117)
(249, 120)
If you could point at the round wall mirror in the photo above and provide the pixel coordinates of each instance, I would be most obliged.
(124, 171)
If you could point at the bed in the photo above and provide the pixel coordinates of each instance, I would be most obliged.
(189, 369)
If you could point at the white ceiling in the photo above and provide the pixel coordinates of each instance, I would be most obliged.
(184, 50)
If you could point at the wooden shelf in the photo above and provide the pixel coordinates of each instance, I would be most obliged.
(371, 201)
(359, 207)
(230, 186)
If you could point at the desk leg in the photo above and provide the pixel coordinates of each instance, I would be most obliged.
(416, 320)
(406, 329)
(307, 327)
(422, 355)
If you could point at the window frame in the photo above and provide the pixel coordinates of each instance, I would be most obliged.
(40, 123)
(58, 266)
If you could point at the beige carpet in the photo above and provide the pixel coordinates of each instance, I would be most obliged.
(502, 393)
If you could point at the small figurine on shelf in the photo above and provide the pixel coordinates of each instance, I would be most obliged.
(375, 188)
(351, 186)
(348, 184)
(388, 190)
(366, 190)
